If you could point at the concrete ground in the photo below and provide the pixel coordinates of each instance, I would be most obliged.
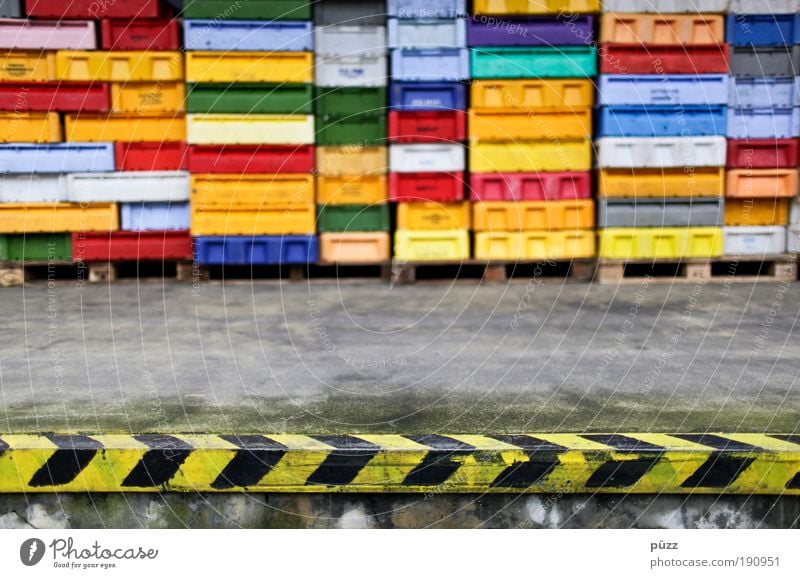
(365, 357)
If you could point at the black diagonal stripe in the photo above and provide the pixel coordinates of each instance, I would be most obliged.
(718, 471)
(257, 456)
(623, 443)
(160, 463)
(73, 454)
(621, 473)
(438, 464)
(718, 442)
(794, 483)
(542, 459)
(345, 462)
(791, 438)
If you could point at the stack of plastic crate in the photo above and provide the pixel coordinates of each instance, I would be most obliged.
(763, 127)
(36, 217)
(530, 129)
(353, 214)
(427, 127)
(250, 129)
(662, 118)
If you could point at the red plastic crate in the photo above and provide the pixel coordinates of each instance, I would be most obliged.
(624, 59)
(92, 8)
(427, 126)
(763, 153)
(150, 156)
(55, 97)
(251, 159)
(140, 34)
(132, 246)
(418, 187)
(530, 186)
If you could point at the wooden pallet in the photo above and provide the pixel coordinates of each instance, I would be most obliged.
(492, 271)
(727, 269)
(15, 273)
(311, 272)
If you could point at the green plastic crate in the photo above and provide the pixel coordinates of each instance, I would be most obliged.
(344, 101)
(36, 247)
(245, 98)
(362, 129)
(534, 62)
(352, 218)
(247, 9)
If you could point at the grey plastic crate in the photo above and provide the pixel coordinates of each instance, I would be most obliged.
(350, 40)
(10, 8)
(666, 6)
(354, 12)
(761, 61)
(678, 212)
(764, 6)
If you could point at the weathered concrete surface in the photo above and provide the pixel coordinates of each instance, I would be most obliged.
(393, 511)
(365, 357)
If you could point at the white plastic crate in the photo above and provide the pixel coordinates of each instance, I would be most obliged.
(350, 40)
(667, 6)
(793, 239)
(794, 214)
(128, 187)
(754, 240)
(33, 188)
(356, 70)
(427, 33)
(426, 158)
(661, 152)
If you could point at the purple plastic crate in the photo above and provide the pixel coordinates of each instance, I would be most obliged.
(499, 31)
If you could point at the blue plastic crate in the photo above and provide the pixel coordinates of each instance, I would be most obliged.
(293, 36)
(764, 92)
(430, 64)
(654, 121)
(650, 89)
(428, 96)
(426, 8)
(763, 29)
(268, 250)
(56, 158)
(154, 216)
(763, 122)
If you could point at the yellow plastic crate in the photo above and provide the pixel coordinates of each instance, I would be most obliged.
(27, 66)
(124, 127)
(251, 191)
(250, 67)
(660, 243)
(533, 215)
(526, 7)
(352, 160)
(351, 190)
(148, 97)
(433, 216)
(39, 127)
(250, 129)
(58, 217)
(354, 247)
(673, 182)
(534, 245)
(532, 95)
(532, 156)
(756, 212)
(431, 245)
(119, 66)
(277, 219)
(504, 126)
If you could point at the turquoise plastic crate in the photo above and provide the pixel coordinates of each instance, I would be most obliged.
(534, 62)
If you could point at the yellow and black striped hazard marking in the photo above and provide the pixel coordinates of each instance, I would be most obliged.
(569, 463)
